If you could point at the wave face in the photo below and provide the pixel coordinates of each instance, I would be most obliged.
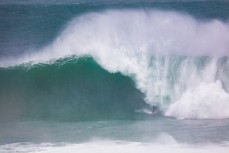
(68, 90)
(178, 62)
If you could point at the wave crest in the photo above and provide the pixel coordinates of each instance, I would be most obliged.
(168, 54)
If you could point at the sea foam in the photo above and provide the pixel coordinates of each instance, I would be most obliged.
(172, 57)
(114, 146)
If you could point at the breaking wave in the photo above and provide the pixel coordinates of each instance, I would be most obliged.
(178, 62)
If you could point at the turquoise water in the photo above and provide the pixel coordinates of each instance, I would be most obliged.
(158, 134)
(188, 131)
(68, 90)
(84, 75)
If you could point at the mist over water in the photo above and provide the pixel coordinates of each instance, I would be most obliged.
(82, 76)
(176, 60)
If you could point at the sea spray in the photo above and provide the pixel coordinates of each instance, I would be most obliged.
(167, 54)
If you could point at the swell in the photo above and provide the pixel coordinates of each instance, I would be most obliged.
(70, 89)
(178, 62)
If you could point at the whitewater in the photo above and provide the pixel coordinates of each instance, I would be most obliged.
(83, 76)
(177, 61)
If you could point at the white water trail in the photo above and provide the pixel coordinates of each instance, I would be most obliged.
(163, 144)
(173, 58)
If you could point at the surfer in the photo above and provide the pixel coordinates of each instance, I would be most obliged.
(154, 109)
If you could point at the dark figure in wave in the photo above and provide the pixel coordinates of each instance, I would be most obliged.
(154, 109)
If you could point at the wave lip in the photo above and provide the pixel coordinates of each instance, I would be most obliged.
(159, 50)
(134, 33)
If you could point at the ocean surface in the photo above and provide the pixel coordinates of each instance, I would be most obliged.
(83, 75)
